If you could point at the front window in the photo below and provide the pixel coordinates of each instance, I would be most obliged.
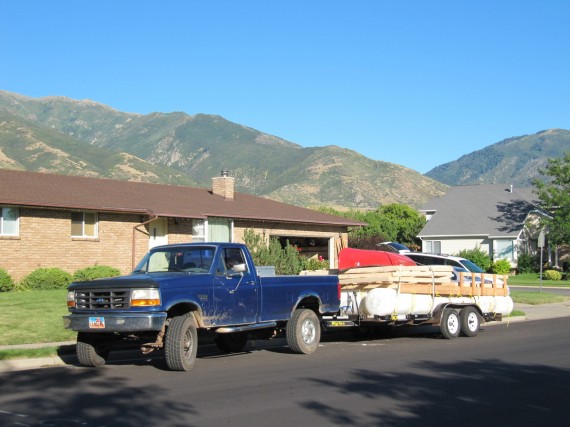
(504, 249)
(199, 230)
(191, 260)
(9, 221)
(83, 224)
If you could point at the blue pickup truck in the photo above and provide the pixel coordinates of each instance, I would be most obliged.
(178, 291)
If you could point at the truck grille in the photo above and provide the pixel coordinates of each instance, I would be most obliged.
(102, 299)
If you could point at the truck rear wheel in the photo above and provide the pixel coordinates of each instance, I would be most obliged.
(470, 321)
(231, 343)
(181, 343)
(90, 351)
(450, 325)
(303, 331)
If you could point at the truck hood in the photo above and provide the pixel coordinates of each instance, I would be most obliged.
(153, 280)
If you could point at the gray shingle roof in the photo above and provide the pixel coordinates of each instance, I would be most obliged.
(480, 210)
(75, 192)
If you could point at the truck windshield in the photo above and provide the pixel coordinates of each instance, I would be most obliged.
(191, 260)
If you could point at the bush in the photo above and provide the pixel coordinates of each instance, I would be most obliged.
(286, 260)
(552, 275)
(477, 256)
(313, 263)
(46, 278)
(6, 282)
(526, 263)
(95, 272)
(501, 266)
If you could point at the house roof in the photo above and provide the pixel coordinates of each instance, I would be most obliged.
(479, 210)
(46, 190)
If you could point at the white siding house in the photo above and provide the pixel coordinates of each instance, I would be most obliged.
(493, 217)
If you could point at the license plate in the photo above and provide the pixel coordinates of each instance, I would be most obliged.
(96, 323)
(340, 323)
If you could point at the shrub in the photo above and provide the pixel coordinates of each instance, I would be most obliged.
(313, 263)
(526, 263)
(552, 275)
(6, 282)
(286, 260)
(46, 278)
(501, 266)
(95, 272)
(477, 256)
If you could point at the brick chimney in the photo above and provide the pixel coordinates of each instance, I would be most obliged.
(223, 185)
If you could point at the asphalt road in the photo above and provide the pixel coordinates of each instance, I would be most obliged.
(509, 375)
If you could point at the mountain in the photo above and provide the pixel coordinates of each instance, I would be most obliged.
(62, 135)
(512, 161)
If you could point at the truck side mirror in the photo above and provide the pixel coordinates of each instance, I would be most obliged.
(239, 268)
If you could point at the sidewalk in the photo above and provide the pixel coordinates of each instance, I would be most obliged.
(533, 312)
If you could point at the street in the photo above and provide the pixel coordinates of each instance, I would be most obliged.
(510, 374)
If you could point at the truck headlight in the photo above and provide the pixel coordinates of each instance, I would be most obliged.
(145, 297)
(70, 299)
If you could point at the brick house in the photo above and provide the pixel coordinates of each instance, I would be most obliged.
(73, 222)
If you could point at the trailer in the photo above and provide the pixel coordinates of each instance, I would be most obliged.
(401, 295)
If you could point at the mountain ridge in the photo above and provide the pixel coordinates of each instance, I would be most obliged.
(62, 135)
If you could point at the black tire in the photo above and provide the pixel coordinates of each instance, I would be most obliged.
(181, 343)
(231, 343)
(303, 331)
(450, 325)
(470, 321)
(89, 351)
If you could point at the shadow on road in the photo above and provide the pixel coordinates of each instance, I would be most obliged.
(485, 392)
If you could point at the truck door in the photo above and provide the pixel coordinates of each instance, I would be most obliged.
(235, 293)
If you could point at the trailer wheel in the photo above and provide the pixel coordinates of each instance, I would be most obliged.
(303, 331)
(470, 321)
(181, 343)
(450, 325)
(89, 351)
(231, 343)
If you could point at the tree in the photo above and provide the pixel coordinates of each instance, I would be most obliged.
(554, 194)
(394, 222)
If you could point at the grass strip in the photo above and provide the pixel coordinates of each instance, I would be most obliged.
(535, 297)
(29, 353)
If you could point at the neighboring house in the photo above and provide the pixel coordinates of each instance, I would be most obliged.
(498, 218)
(73, 222)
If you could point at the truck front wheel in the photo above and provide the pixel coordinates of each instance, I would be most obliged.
(181, 343)
(90, 351)
(303, 331)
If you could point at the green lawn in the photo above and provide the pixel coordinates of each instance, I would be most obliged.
(33, 317)
(533, 279)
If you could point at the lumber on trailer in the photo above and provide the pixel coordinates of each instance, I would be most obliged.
(423, 280)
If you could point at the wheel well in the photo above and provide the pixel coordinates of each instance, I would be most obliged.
(184, 308)
(312, 303)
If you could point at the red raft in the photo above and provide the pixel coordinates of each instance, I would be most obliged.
(350, 258)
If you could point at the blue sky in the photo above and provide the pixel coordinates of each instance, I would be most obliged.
(417, 83)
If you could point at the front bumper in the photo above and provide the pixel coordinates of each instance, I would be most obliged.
(114, 322)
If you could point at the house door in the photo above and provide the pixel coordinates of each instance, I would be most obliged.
(158, 233)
